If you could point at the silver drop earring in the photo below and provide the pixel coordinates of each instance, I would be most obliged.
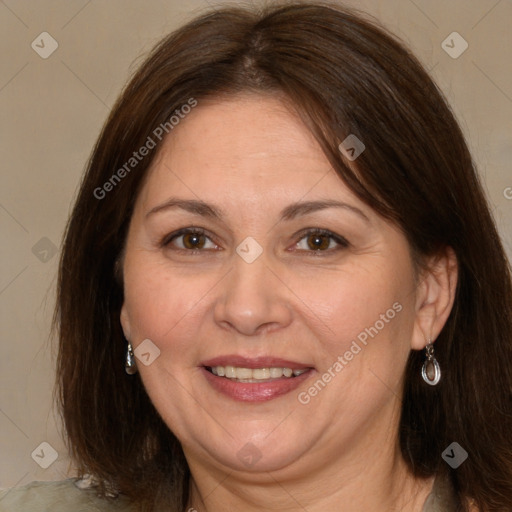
(431, 371)
(130, 365)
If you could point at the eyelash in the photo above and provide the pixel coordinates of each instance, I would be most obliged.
(341, 241)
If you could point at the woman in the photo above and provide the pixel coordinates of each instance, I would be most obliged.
(281, 286)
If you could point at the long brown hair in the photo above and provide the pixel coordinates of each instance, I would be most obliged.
(344, 75)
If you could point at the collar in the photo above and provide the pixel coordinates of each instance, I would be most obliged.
(442, 498)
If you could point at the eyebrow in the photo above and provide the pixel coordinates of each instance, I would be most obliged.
(303, 208)
(290, 212)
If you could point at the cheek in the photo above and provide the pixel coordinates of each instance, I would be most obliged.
(163, 304)
(363, 328)
(368, 304)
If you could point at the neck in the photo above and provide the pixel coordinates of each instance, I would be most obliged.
(377, 479)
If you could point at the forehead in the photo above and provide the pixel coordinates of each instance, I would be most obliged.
(245, 125)
(242, 145)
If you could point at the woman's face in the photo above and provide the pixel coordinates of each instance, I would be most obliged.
(248, 260)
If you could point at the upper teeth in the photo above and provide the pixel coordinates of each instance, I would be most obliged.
(233, 372)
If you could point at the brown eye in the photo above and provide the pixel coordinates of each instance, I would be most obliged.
(189, 239)
(194, 241)
(318, 242)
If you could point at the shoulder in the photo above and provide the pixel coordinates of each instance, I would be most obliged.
(63, 496)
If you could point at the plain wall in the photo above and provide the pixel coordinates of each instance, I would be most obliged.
(52, 112)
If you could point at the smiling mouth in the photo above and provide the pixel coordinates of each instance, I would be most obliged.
(255, 375)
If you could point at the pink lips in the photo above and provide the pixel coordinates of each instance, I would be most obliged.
(254, 391)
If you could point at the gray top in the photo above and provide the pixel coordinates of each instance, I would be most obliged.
(67, 496)
(442, 498)
(64, 496)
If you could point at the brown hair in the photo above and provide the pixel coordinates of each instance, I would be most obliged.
(344, 75)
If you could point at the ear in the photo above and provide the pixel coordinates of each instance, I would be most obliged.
(434, 297)
(125, 322)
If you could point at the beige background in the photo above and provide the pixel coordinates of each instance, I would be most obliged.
(52, 111)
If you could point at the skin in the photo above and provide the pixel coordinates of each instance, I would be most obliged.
(251, 156)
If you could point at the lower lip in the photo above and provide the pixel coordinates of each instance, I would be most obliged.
(255, 391)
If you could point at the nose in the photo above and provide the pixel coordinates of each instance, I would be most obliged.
(253, 300)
